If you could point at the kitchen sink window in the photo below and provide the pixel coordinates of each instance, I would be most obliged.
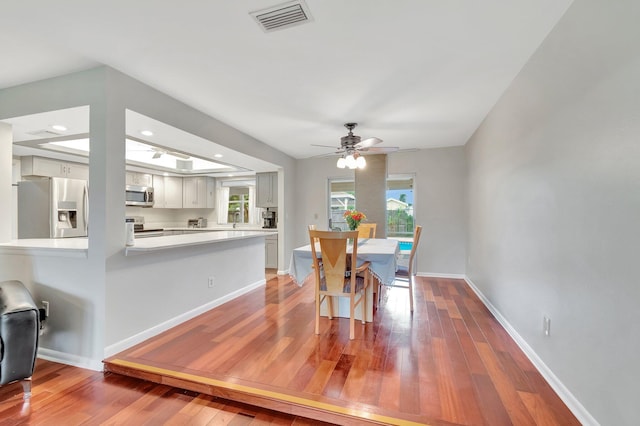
(236, 202)
(238, 207)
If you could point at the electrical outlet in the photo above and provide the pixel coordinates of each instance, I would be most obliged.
(45, 306)
(210, 282)
(546, 325)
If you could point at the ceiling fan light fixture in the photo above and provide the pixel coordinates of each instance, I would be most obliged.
(361, 163)
(342, 163)
(350, 161)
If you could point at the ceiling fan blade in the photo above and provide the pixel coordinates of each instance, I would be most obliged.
(324, 146)
(330, 154)
(368, 142)
(380, 149)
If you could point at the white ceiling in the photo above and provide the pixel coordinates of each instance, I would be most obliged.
(415, 73)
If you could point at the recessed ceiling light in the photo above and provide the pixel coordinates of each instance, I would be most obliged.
(59, 127)
(218, 155)
(146, 133)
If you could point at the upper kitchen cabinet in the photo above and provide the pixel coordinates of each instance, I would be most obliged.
(39, 166)
(141, 179)
(267, 189)
(167, 191)
(198, 192)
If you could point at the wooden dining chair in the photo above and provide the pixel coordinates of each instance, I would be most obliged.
(333, 277)
(409, 270)
(367, 230)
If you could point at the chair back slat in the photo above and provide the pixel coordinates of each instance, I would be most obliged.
(367, 230)
(331, 263)
(414, 247)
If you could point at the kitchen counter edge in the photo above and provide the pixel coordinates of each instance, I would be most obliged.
(79, 247)
(149, 245)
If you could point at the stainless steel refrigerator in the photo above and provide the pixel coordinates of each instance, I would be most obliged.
(53, 208)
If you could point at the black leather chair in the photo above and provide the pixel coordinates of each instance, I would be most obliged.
(19, 332)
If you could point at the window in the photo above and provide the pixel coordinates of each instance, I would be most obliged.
(342, 195)
(238, 205)
(400, 207)
(236, 201)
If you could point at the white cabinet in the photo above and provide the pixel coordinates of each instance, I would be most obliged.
(271, 251)
(167, 191)
(172, 192)
(41, 166)
(141, 179)
(267, 189)
(198, 192)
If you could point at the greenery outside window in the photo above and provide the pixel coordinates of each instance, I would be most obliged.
(238, 206)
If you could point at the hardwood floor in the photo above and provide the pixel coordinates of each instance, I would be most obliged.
(450, 363)
(64, 395)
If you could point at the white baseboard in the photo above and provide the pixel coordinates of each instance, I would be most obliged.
(155, 330)
(437, 275)
(565, 395)
(69, 359)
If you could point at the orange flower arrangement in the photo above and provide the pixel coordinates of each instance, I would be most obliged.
(354, 218)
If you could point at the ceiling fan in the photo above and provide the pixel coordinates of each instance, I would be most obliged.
(352, 147)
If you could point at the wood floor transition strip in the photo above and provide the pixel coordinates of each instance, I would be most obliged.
(265, 393)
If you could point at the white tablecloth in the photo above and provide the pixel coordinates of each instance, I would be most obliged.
(382, 253)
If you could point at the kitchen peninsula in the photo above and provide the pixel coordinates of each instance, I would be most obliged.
(154, 285)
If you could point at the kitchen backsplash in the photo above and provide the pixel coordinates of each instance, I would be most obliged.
(172, 218)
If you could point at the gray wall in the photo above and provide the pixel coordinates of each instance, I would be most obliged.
(554, 202)
(439, 196)
(371, 195)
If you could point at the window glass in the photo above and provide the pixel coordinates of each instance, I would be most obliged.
(342, 196)
(238, 205)
(400, 207)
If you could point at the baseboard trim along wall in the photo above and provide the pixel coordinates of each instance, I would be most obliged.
(153, 331)
(438, 275)
(565, 395)
(69, 359)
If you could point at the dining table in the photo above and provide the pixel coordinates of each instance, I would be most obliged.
(381, 253)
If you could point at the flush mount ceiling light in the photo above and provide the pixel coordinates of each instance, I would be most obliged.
(146, 132)
(59, 127)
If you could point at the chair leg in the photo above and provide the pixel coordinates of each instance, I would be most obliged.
(329, 306)
(317, 313)
(363, 297)
(352, 318)
(26, 387)
(411, 292)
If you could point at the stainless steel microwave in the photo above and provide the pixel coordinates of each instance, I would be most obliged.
(141, 196)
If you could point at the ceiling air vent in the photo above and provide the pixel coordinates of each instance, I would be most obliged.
(282, 16)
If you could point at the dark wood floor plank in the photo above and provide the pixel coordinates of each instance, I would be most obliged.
(506, 388)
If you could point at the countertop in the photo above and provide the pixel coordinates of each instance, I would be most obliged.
(146, 245)
(78, 247)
